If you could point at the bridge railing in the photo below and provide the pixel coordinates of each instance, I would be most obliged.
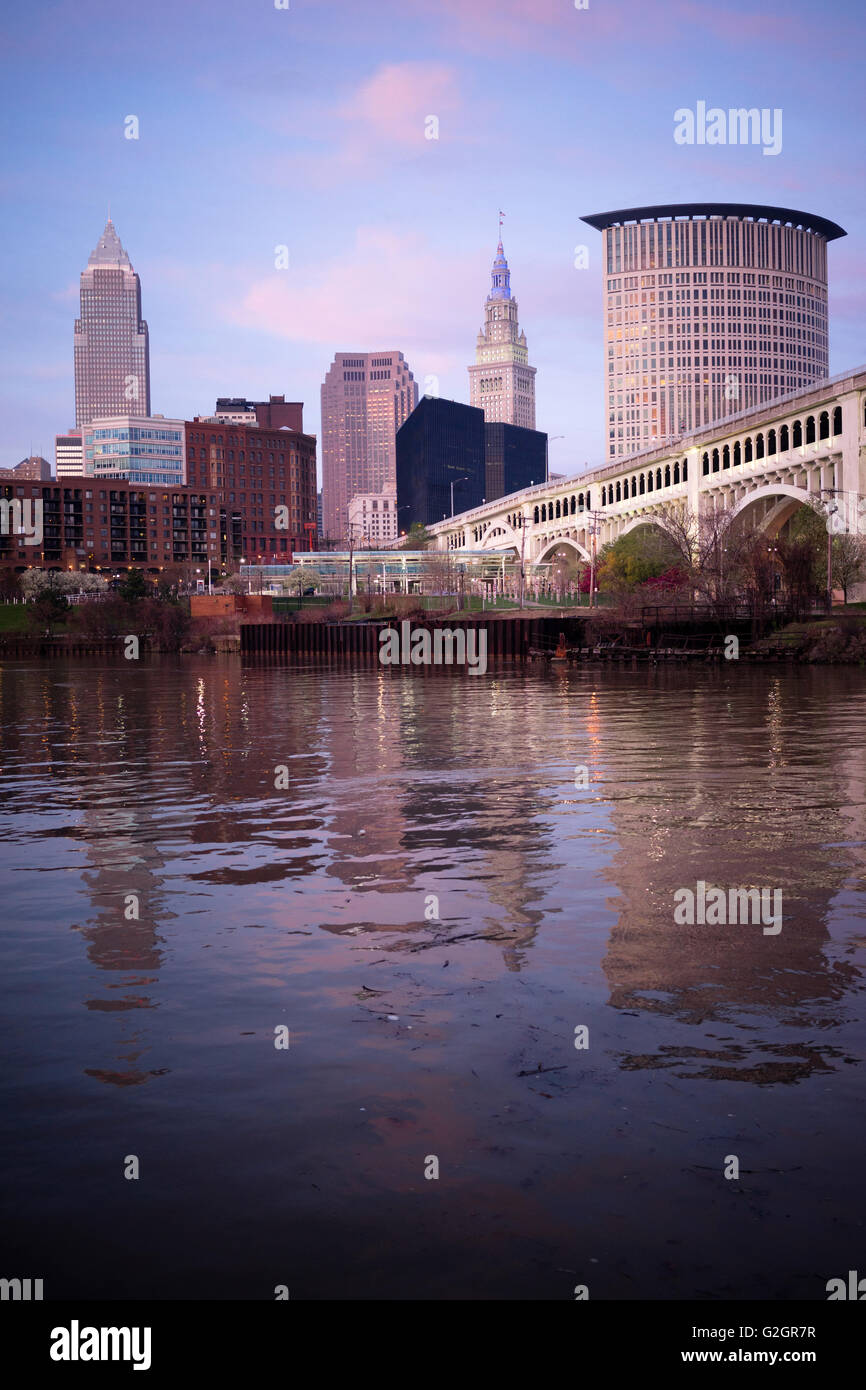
(658, 613)
(775, 612)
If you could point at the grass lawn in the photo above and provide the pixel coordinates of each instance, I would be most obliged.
(13, 617)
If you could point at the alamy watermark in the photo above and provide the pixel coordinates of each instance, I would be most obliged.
(736, 126)
(716, 907)
(444, 646)
(22, 519)
(77, 1343)
(845, 513)
(854, 1289)
(21, 1290)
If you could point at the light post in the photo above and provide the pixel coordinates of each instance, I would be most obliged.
(594, 528)
(547, 454)
(832, 508)
(464, 479)
(557, 574)
(351, 566)
(406, 507)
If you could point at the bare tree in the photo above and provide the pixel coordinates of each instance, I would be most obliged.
(708, 545)
(564, 571)
(797, 559)
(757, 572)
(848, 558)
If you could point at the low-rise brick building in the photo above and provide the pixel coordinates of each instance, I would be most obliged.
(257, 470)
(239, 479)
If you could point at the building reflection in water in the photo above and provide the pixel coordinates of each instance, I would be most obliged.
(403, 785)
(445, 818)
(745, 800)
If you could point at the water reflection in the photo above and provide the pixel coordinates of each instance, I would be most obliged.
(401, 788)
(751, 797)
(415, 1032)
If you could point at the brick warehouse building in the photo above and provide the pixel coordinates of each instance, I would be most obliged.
(238, 475)
(255, 470)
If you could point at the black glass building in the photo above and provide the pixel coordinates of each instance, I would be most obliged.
(440, 461)
(515, 458)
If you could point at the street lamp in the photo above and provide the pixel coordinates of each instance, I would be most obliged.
(464, 479)
(595, 520)
(832, 508)
(550, 441)
(406, 507)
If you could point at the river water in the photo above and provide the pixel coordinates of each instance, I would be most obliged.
(408, 878)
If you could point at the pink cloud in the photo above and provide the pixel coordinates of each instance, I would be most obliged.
(741, 27)
(586, 35)
(384, 117)
(394, 103)
(68, 295)
(367, 297)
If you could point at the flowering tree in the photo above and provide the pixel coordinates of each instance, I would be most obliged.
(37, 582)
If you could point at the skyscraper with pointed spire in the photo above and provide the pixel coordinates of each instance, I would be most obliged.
(501, 383)
(112, 354)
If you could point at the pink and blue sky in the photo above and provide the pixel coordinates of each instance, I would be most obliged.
(305, 127)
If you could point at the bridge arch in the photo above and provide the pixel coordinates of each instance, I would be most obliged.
(783, 501)
(498, 535)
(549, 547)
(647, 518)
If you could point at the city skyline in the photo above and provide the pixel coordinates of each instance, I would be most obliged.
(388, 232)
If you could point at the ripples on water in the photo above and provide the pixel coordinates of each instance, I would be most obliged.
(431, 907)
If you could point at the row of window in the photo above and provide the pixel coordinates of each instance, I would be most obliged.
(641, 483)
(563, 506)
(792, 438)
(718, 459)
(254, 456)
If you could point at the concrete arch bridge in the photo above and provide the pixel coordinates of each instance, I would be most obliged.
(809, 447)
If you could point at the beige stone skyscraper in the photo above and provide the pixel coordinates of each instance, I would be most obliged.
(112, 356)
(366, 396)
(501, 383)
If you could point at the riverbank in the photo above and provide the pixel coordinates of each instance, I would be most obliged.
(567, 635)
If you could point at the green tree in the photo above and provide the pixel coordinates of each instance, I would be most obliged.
(48, 609)
(810, 526)
(134, 586)
(632, 559)
(418, 537)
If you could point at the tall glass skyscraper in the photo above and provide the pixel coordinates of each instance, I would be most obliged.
(112, 355)
(710, 309)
